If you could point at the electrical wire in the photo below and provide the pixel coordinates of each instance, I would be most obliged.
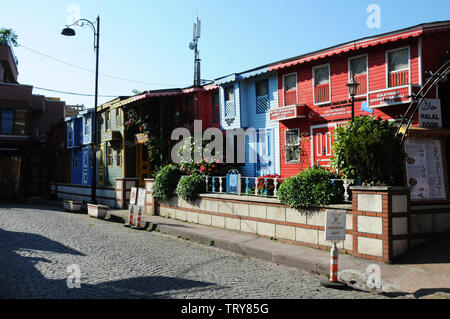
(91, 71)
(73, 93)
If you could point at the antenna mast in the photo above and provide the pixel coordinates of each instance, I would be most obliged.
(194, 46)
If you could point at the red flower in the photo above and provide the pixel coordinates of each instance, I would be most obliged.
(202, 169)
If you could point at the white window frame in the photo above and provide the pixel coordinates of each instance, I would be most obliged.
(409, 66)
(296, 88)
(314, 82)
(299, 144)
(230, 116)
(367, 72)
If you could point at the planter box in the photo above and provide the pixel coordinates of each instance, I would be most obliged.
(97, 211)
(72, 206)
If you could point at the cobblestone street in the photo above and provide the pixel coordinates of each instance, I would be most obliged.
(37, 244)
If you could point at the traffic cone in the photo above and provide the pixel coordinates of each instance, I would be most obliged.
(130, 217)
(139, 221)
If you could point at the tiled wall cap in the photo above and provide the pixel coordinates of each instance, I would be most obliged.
(380, 188)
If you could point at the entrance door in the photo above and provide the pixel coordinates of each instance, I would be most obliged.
(143, 163)
(265, 164)
(321, 144)
(86, 166)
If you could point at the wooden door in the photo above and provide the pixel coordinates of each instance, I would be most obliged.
(143, 163)
(321, 144)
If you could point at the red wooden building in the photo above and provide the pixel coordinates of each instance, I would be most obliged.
(389, 68)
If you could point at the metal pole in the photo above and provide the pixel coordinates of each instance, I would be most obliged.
(94, 119)
(353, 108)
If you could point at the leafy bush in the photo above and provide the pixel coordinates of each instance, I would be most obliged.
(313, 186)
(190, 186)
(166, 182)
(367, 149)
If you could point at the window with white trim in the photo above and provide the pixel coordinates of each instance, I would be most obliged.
(262, 96)
(398, 67)
(290, 89)
(292, 146)
(229, 102)
(358, 70)
(321, 76)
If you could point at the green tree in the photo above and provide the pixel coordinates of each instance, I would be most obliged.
(8, 34)
(368, 149)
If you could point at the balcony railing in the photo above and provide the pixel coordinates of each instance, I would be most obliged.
(398, 78)
(322, 93)
(290, 97)
(362, 81)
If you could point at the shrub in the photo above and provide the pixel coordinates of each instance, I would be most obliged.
(166, 182)
(367, 149)
(313, 186)
(190, 186)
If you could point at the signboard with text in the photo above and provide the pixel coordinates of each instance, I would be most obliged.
(430, 115)
(335, 225)
(287, 112)
(389, 97)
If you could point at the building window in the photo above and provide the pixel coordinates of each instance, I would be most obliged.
(229, 102)
(119, 158)
(321, 84)
(75, 158)
(108, 120)
(189, 109)
(292, 146)
(86, 124)
(7, 117)
(109, 156)
(358, 70)
(398, 67)
(118, 117)
(215, 108)
(290, 89)
(262, 96)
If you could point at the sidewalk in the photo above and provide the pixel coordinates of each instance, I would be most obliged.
(423, 271)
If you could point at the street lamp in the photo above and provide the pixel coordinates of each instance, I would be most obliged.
(68, 31)
(352, 88)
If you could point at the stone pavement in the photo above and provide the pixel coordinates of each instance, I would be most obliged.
(41, 246)
(424, 271)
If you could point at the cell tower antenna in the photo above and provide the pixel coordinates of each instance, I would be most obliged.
(194, 46)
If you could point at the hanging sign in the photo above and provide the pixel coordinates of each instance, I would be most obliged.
(430, 115)
(335, 225)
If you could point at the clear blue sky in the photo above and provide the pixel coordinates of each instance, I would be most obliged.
(148, 41)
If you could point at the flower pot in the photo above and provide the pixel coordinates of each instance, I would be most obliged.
(72, 206)
(97, 211)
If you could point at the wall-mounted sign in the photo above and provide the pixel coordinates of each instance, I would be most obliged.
(288, 112)
(425, 169)
(335, 225)
(430, 115)
(389, 97)
(111, 136)
(141, 138)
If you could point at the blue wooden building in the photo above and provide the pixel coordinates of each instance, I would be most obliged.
(79, 138)
(245, 102)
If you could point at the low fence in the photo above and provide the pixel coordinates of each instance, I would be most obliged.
(82, 193)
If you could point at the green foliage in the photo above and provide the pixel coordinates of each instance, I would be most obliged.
(8, 34)
(367, 149)
(190, 186)
(313, 186)
(166, 182)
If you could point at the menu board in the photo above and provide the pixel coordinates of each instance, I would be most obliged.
(425, 170)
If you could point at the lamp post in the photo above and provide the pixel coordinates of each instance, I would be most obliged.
(67, 31)
(352, 87)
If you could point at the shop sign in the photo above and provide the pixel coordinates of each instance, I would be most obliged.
(430, 115)
(287, 112)
(389, 97)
